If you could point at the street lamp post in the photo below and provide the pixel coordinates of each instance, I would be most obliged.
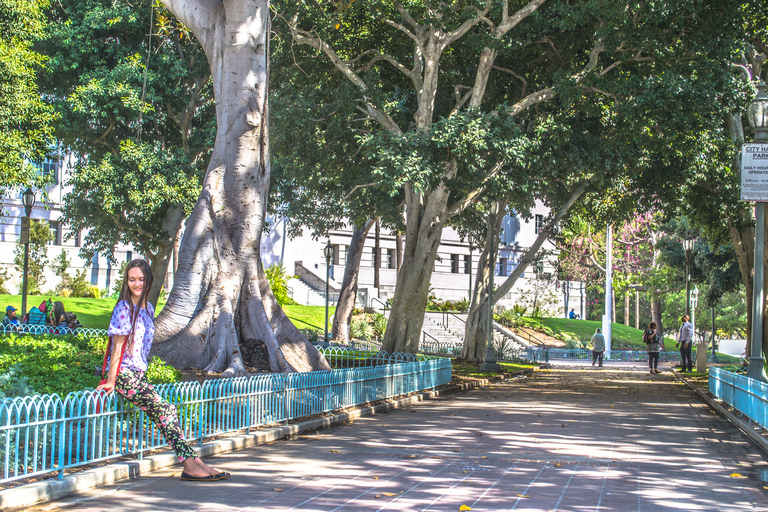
(688, 247)
(328, 252)
(757, 115)
(28, 200)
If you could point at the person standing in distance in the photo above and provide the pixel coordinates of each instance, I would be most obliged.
(133, 327)
(598, 347)
(685, 342)
(653, 342)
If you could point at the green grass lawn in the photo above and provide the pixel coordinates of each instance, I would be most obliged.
(93, 313)
(309, 317)
(622, 337)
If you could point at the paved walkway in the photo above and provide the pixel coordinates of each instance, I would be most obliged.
(615, 439)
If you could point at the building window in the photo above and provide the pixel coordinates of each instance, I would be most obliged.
(374, 259)
(56, 231)
(390, 259)
(467, 264)
(77, 239)
(346, 255)
(49, 169)
(502, 266)
(128, 255)
(336, 254)
(539, 223)
(454, 263)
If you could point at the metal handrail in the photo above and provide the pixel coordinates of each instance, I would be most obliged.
(424, 338)
(379, 301)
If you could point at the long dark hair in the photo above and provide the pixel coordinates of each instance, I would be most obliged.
(125, 294)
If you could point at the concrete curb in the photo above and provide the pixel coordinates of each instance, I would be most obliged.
(749, 430)
(23, 496)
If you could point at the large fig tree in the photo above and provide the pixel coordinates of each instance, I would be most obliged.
(221, 297)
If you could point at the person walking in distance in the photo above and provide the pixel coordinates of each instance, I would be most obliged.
(131, 331)
(653, 343)
(685, 342)
(598, 347)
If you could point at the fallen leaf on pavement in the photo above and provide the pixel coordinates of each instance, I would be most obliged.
(376, 477)
(558, 465)
(736, 475)
(523, 496)
(464, 507)
(388, 494)
(335, 451)
(277, 489)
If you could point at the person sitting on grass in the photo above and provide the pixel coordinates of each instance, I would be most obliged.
(10, 317)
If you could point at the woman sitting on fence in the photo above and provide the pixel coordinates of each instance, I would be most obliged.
(131, 331)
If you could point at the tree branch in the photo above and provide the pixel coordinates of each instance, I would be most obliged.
(200, 16)
(462, 204)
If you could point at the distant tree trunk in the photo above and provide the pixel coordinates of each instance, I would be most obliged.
(476, 334)
(656, 314)
(376, 255)
(476, 326)
(626, 309)
(221, 296)
(346, 303)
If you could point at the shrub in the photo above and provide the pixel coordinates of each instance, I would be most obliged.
(461, 305)
(572, 344)
(278, 281)
(510, 318)
(360, 330)
(119, 281)
(311, 334)
(357, 311)
(160, 372)
(379, 325)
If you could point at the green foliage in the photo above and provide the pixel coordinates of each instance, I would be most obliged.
(160, 372)
(14, 383)
(142, 151)
(360, 330)
(39, 235)
(60, 364)
(119, 281)
(25, 133)
(278, 281)
(53, 364)
(379, 325)
(4, 277)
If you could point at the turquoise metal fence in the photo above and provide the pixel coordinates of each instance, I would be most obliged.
(745, 394)
(41, 434)
(49, 329)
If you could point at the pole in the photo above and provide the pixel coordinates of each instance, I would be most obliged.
(327, 278)
(688, 283)
(608, 289)
(713, 357)
(756, 361)
(24, 281)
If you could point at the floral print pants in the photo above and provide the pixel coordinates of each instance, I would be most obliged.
(134, 386)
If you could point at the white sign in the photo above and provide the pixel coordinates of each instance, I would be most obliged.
(754, 172)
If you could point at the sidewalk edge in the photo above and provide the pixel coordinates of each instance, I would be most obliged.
(17, 498)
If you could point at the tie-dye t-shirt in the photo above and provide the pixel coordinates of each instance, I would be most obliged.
(120, 325)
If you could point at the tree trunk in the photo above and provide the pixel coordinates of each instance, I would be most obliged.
(425, 215)
(627, 320)
(656, 314)
(476, 333)
(161, 259)
(346, 303)
(221, 297)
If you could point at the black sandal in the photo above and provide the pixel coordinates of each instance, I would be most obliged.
(209, 478)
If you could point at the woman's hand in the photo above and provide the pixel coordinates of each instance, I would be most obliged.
(107, 387)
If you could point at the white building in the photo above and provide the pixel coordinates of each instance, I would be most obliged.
(452, 278)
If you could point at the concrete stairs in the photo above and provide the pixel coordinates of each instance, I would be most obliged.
(304, 294)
